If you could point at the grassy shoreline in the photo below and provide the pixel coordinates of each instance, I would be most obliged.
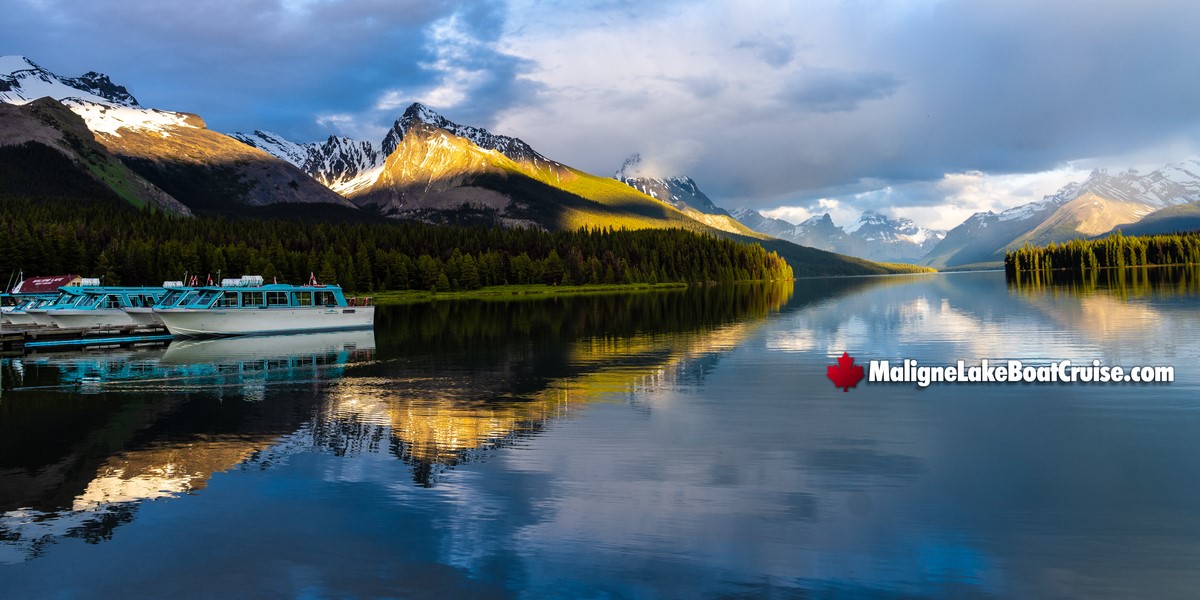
(517, 292)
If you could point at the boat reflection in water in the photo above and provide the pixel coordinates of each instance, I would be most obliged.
(95, 462)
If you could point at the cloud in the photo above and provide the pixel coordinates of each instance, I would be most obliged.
(776, 52)
(830, 90)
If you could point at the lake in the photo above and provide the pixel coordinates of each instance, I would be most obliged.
(680, 444)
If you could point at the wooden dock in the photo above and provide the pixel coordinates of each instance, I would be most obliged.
(15, 339)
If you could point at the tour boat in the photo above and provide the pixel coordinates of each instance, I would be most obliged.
(13, 307)
(247, 306)
(103, 306)
(67, 297)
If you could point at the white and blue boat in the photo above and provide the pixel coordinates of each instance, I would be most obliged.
(101, 306)
(246, 306)
(12, 307)
(68, 296)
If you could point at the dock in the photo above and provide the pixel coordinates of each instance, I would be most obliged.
(15, 339)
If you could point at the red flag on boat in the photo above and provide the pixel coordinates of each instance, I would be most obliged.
(312, 278)
(210, 279)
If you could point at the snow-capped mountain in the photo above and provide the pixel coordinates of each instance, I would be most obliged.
(512, 147)
(678, 191)
(1079, 209)
(174, 151)
(873, 236)
(104, 106)
(430, 168)
(341, 164)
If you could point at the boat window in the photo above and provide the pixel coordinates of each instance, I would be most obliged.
(252, 299)
(304, 298)
(205, 299)
(187, 299)
(228, 299)
(110, 301)
(277, 299)
(169, 299)
(325, 299)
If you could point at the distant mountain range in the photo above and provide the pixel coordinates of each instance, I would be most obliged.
(1131, 201)
(1161, 201)
(874, 236)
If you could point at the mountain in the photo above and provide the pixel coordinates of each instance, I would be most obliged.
(682, 193)
(47, 151)
(819, 232)
(1096, 206)
(430, 168)
(175, 151)
(874, 236)
(760, 223)
(1181, 217)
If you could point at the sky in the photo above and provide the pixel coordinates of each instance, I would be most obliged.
(927, 109)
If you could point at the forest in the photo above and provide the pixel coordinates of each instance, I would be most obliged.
(1113, 251)
(125, 245)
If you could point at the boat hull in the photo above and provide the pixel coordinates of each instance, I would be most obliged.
(142, 315)
(38, 316)
(188, 322)
(70, 318)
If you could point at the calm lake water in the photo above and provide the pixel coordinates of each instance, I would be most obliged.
(671, 445)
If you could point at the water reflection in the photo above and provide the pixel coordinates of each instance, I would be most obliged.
(1119, 282)
(87, 436)
(677, 445)
(456, 381)
(450, 383)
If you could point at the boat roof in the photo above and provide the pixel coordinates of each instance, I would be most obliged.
(271, 287)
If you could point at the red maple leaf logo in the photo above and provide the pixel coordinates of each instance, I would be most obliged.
(845, 375)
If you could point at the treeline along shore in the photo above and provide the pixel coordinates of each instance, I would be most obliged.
(1113, 251)
(130, 246)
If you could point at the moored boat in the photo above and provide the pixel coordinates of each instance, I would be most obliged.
(102, 306)
(68, 296)
(14, 305)
(246, 306)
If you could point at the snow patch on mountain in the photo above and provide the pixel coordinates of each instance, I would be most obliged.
(342, 164)
(275, 145)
